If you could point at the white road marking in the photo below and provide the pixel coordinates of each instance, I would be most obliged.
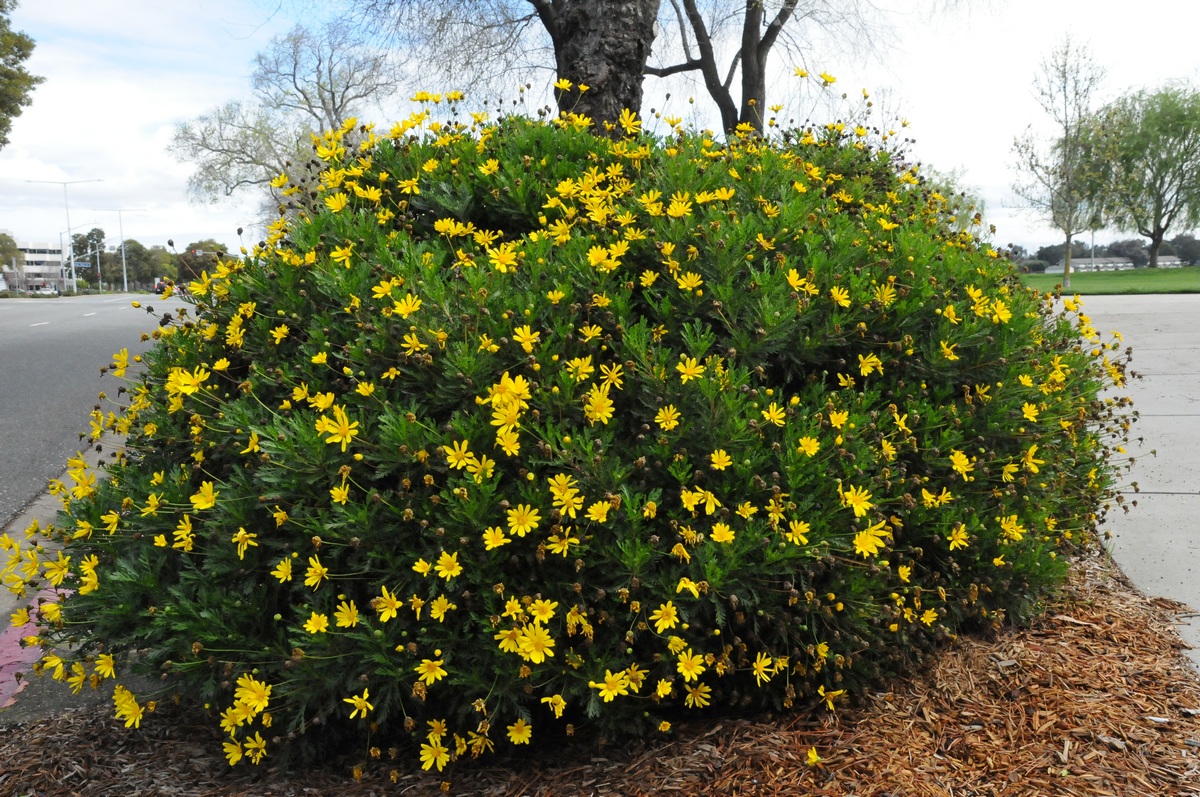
(40, 324)
(85, 315)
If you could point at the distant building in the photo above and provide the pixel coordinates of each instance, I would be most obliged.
(43, 266)
(1093, 264)
(1079, 264)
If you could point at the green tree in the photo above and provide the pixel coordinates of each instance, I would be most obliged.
(1188, 248)
(163, 263)
(10, 255)
(198, 256)
(1152, 160)
(1054, 253)
(304, 82)
(1055, 179)
(1131, 249)
(139, 264)
(89, 248)
(16, 84)
(84, 245)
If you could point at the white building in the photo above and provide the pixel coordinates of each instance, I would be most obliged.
(43, 266)
(1085, 263)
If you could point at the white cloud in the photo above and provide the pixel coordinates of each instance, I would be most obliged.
(965, 80)
(119, 76)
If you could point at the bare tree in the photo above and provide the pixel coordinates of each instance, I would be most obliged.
(234, 146)
(606, 44)
(602, 45)
(1055, 178)
(728, 45)
(304, 83)
(323, 77)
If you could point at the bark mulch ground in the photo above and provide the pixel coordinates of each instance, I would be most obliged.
(1095, 699)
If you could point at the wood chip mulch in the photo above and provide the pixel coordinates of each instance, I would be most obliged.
(1095, 699)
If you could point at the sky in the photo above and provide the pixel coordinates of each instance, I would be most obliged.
(121, 74)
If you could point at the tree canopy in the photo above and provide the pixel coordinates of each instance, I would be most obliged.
(9, 253)
(198, 256)
(16, 84)
(1148, 149)
(1187, 248)
(1053, 253)
(139, 264)
(85, 245)
(1131, 248)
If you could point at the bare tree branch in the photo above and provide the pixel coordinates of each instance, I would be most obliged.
(683, 32)
(771, 34)
(324, 75)
(488, 43)
(1055, 178)
(717, 90)
(547, 14)
(733, 68)
(305, 82)
(667, 71)
(234, 147)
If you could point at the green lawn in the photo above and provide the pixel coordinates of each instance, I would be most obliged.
(1141, 280)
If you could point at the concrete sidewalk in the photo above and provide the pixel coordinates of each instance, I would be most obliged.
(1158, 543)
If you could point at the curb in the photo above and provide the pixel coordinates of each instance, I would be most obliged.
(25, 697)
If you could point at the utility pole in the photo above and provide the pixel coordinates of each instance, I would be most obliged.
(67, 206)
(121, 232)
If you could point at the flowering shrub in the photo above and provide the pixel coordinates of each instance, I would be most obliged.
(508, 430)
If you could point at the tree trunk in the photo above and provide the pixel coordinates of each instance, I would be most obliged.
(604, 45)
(1156, 242)
(754, 78)
(757, 42)
(1067, 264)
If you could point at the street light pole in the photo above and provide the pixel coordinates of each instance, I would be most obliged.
(67, 206)
(62, 253)
(125, 269)
(121, 232)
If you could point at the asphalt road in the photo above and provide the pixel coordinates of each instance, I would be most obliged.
(51, 352)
